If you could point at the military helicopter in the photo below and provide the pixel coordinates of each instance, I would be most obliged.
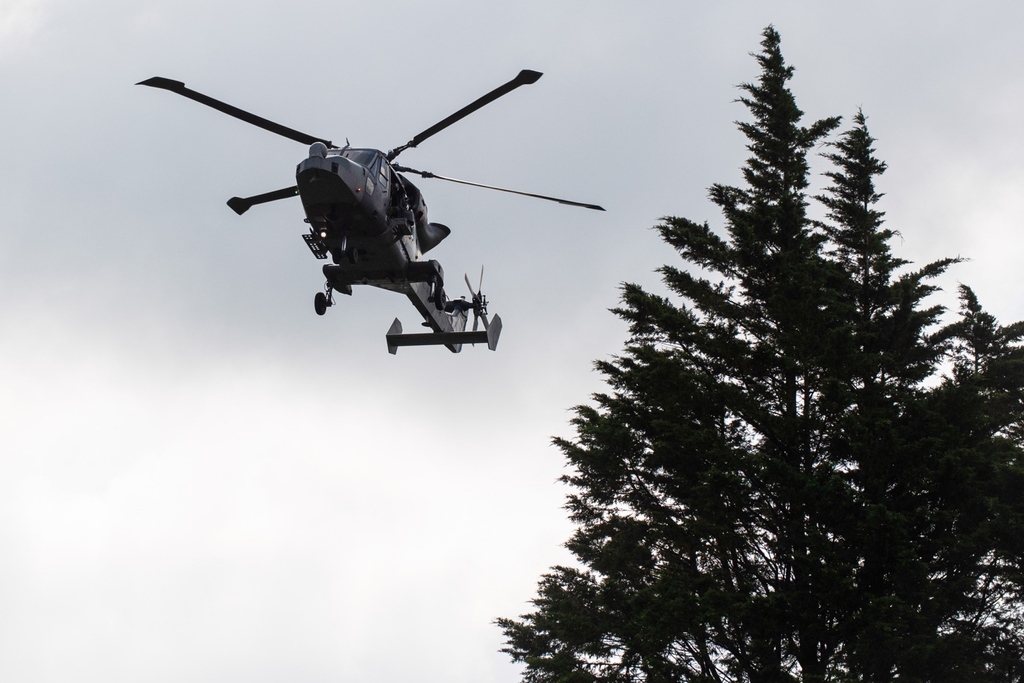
(371, 221)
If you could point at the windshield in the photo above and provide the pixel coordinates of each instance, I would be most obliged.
(364, 157)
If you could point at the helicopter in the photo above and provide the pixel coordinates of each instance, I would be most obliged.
(370, 221)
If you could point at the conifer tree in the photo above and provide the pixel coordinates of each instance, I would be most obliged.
(776, 486)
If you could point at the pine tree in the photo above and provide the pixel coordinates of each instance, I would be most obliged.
(887, 359)
(776, 487)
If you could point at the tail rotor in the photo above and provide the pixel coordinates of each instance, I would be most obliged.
(479, 301)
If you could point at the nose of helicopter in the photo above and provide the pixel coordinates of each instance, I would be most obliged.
(323, 179)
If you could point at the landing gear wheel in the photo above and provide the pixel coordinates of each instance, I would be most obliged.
(320, 303)
(436, 295)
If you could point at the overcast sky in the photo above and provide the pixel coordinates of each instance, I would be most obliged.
(202, 480)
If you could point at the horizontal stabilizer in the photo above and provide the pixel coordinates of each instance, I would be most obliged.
(453, 340)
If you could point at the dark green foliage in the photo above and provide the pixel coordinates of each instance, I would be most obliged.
(796, 474)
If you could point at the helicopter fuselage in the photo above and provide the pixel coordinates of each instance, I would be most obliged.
(372, 221)
(372, 224)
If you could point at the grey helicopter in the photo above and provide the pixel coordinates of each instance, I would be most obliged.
(370, 221)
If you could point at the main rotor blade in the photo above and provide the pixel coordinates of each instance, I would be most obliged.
(428, 174)
(242, 204)
(259, 121)
(525, 77)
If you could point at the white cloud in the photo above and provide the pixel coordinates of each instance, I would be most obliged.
(240, 519)
(24, 25)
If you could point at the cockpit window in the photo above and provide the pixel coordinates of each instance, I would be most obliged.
(367, 158)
